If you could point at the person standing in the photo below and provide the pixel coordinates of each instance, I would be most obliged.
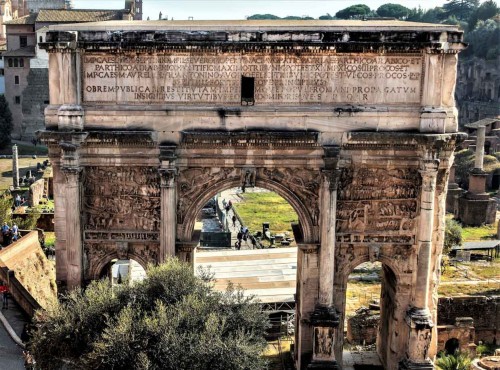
(234, 220)
(15, 232)
(5, 296)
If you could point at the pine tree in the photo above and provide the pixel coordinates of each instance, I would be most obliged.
(5, 123)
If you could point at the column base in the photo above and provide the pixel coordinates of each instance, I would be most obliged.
(323, 365)
(419, 318)
(409, 365)
(326, 317)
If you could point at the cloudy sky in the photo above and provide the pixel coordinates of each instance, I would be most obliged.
(239, 9)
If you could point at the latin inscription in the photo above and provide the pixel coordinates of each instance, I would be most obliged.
(279, 78)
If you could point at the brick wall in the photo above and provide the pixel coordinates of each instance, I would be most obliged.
(485, 311)
(34, 100)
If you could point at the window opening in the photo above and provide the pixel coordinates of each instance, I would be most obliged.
(17, 100)
(16, 80)
(23, 41)
(247, 90)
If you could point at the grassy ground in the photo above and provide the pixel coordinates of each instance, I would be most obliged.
(257, 208)
(24, 165)
(480, 232)
(360, 294)
(50, 238)
(272, 354)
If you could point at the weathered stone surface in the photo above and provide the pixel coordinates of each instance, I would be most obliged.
(176, 112)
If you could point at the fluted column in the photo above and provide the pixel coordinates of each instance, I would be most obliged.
(72, 199)
(327, 251)
(419, 317)
(481, 137)
(168, 213)
(325, 319)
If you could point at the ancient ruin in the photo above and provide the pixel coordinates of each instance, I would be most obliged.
(352, 122)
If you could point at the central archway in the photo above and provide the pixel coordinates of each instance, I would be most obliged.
(307, 214)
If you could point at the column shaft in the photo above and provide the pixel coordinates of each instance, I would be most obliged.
(481, 136)
(426, 226)
(327, 251)
(168, 214)
(73, 227)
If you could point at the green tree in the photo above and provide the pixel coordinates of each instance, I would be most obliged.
(171, 320)
(461, 9)
(354, 11)
(457, 361)
(483, 40)
(485, 11)
(263, 16)
(327, 16)
(393, 10)
(452, 235)
(5, 122)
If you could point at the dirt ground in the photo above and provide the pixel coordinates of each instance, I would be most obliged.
(24, 165)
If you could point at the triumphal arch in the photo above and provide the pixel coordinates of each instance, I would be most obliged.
(353, 122)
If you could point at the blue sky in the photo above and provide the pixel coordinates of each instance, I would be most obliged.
(239, 9)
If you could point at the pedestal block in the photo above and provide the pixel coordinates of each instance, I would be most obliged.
(420, 322)
(475, 212)
(452, 196)
(325, 321)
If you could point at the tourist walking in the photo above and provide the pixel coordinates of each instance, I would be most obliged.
(234, 220)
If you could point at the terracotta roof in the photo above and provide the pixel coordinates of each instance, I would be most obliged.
(78, 15)
(27, 19)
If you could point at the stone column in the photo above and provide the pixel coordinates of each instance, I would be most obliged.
(325, 319)
(168, 213)
(481, 136)
(72, 197)
(419, 317)
(15, 167)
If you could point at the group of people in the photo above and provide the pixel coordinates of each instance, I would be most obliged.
(9, 234)
(244, 235)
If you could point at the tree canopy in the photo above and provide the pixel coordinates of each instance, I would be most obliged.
(170, 320)
(5, 122)
(393, 10)
(354, 11)
(485, 11)
(461, 9)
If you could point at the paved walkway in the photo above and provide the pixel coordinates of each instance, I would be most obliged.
(11, 355)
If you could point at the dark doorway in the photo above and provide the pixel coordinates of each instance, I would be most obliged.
(452, 346)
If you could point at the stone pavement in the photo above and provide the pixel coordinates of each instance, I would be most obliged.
(269, 274)
(11, 354)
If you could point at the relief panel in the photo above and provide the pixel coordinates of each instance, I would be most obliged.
(378, 205)
(121, 203)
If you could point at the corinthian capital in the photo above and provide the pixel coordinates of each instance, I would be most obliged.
(332, 178)
(167, 176)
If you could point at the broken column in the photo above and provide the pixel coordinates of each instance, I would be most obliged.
(15, 167)
(477, 208)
